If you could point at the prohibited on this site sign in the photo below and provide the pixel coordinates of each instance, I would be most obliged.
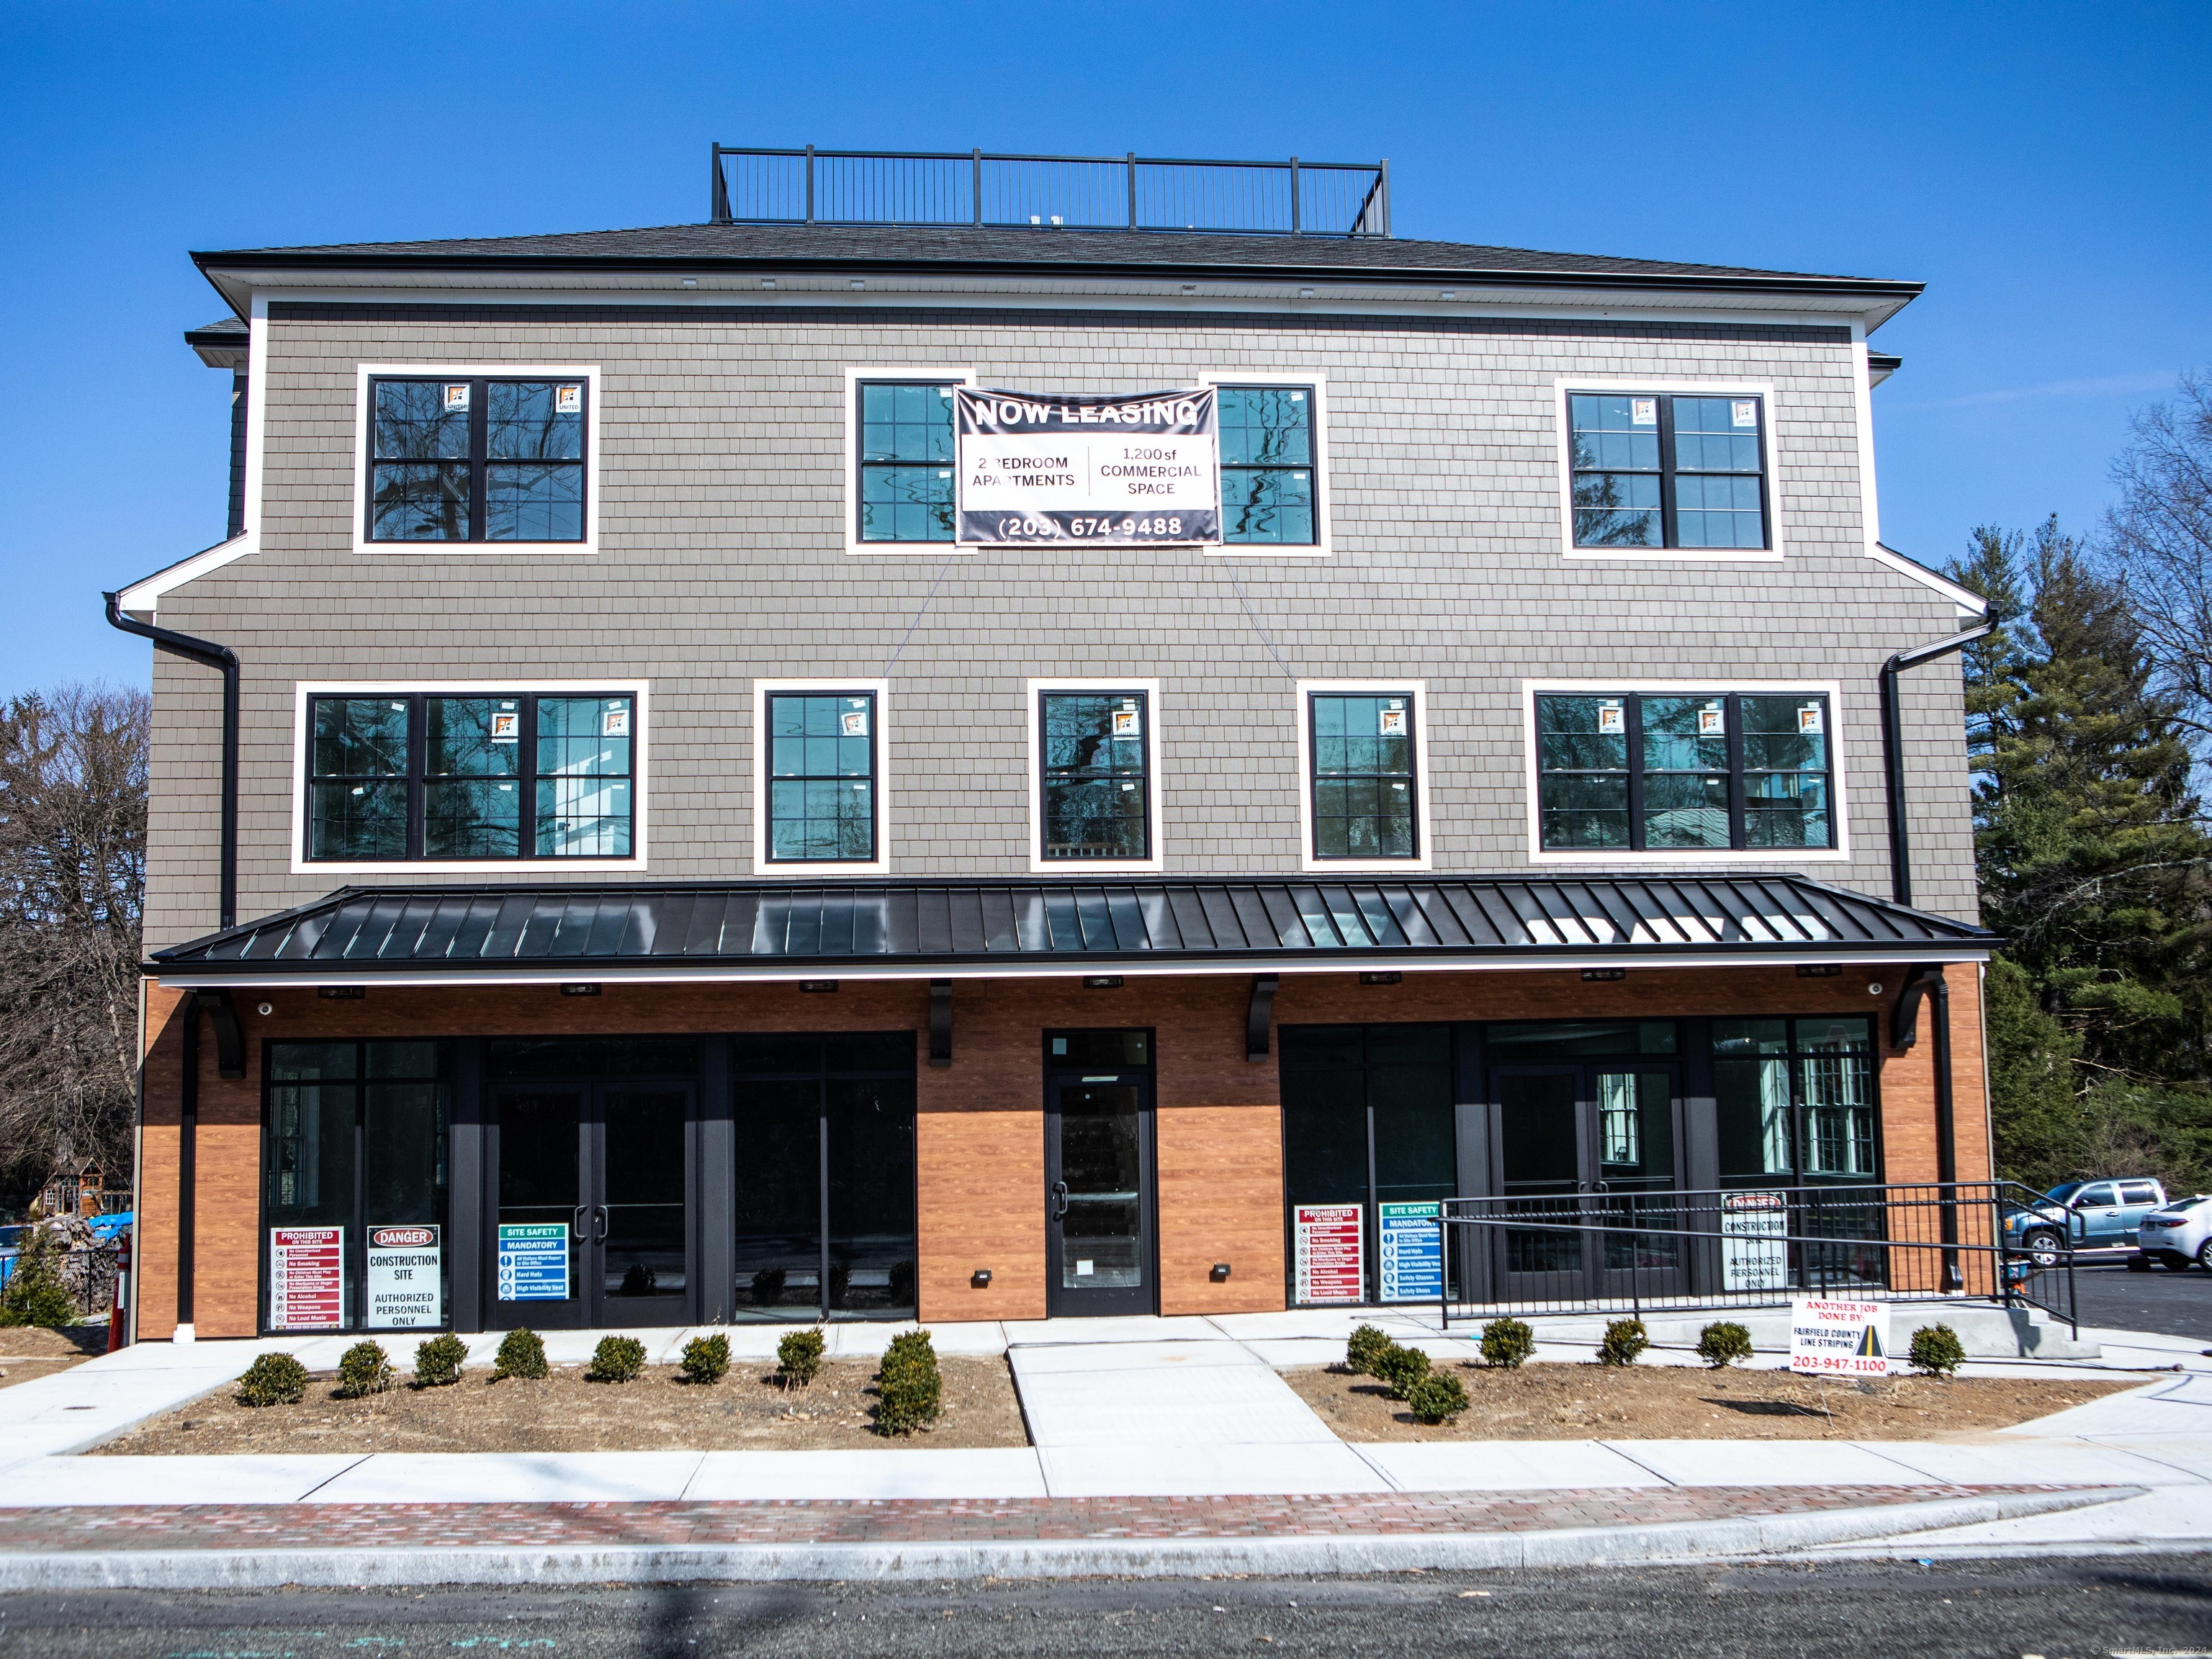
(1828, 1338)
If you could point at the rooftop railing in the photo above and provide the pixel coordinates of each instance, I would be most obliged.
(812, 186)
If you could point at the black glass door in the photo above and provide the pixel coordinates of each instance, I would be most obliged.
(591, 1226)
(1099, 1244)
(1586, 1155)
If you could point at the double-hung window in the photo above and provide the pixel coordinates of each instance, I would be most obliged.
(906, 457)
(1695, 771)
(821, 777)
(1365, 792)
(464, 458)
(1094, 783)
(418, 776)
(1655, 471)
(1267, 466)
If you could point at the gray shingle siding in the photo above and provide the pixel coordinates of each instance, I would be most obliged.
(722, 559)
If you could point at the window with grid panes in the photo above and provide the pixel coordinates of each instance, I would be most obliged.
(822, 776)
(1363, 774)
(476, 459)
(1096, 782)
(1795, 1097)
(1702, 772)
(465, 777)
(1267, 464)
(1652, 470)
(906, 461)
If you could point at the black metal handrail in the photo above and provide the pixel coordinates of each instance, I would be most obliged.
(1746, 1246)
(985, 189)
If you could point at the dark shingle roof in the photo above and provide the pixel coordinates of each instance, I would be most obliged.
(982, 926)
(761, 246)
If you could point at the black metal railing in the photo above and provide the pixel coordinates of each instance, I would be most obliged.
(812, 186)
(1634, 1251)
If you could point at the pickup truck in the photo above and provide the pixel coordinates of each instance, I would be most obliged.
(2086, 1216)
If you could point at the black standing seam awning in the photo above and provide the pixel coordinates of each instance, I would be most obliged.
(781, 930)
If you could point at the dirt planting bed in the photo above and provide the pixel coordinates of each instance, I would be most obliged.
(747, 1410)
(1555, 1402)
(30, 1350)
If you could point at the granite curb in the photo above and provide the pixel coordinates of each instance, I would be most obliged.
(1665, 1542)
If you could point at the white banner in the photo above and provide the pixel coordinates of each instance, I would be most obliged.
(1108, 471)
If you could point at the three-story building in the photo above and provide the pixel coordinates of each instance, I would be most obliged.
(626, 848)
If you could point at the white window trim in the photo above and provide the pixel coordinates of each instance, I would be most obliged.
(1033, 714)
(639, 690)
(1838, 811)
(851, 417)
(1318, 384)
(1418, 690)
(1561, 388)
(587, 373)
(827, 868)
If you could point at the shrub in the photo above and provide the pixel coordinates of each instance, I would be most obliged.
(1625, 1339)
(706, 1358)
(909, 1388)
(1436, 1398)
(1364, 1346)
(363, 1369)
(1936, 1351)
(798, 1358)
(768, 1286)
(1507, 1343)
(1400, 1369)
(639, 1280)
(438, 1362)
(617, 1359)
(35, 1294)
(1722, 1343)
(275, 1379)
(521, 1353)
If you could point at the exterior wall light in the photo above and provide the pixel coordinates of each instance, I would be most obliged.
(1605, 975)
(579, 990)
(1220, 1271)
(981, 1278)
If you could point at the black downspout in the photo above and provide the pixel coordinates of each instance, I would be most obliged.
(222, 658)
(1893, 750)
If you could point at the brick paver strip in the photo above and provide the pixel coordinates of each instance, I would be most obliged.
(439, 1526)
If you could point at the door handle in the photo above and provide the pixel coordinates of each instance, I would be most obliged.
(581, 1228)
(1060, 1194)
(600, 1211)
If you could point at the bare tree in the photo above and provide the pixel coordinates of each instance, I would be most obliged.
(2159, 540)
(72, 890)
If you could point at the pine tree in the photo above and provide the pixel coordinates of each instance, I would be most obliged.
(2093, 865)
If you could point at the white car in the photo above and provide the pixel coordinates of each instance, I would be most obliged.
(2180, 1233)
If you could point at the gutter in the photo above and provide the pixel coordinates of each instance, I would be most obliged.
(1893, 750)
(225, 660)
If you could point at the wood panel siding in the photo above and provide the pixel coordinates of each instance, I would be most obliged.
(1221, 1200)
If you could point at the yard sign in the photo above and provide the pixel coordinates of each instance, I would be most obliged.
(1829, 1338)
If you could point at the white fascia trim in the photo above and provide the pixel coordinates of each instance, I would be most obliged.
(1771, 554)
(587, 373)
(1862, 414)
(143, 598)
(825, 870)
(1657, 863)
(587, 971)
(525, 684)
(1318, 384)
(1045, 291)
(1033, 713)
(1965, 597)
(257, 411)
(1417, 691)
(850, 416)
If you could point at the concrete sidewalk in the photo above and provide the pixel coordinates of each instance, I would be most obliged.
(1161, 1446)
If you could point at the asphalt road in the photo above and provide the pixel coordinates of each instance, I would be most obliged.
(2070, 1609)
(2179, 1305)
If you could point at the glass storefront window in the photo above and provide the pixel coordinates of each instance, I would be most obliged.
(1368, 1127)
(355, 1187)
(1795, 1099)
(825, 1116)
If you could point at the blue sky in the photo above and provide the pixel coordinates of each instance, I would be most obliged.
(2044, 169)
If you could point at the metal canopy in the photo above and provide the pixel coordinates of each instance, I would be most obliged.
(776, 930)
